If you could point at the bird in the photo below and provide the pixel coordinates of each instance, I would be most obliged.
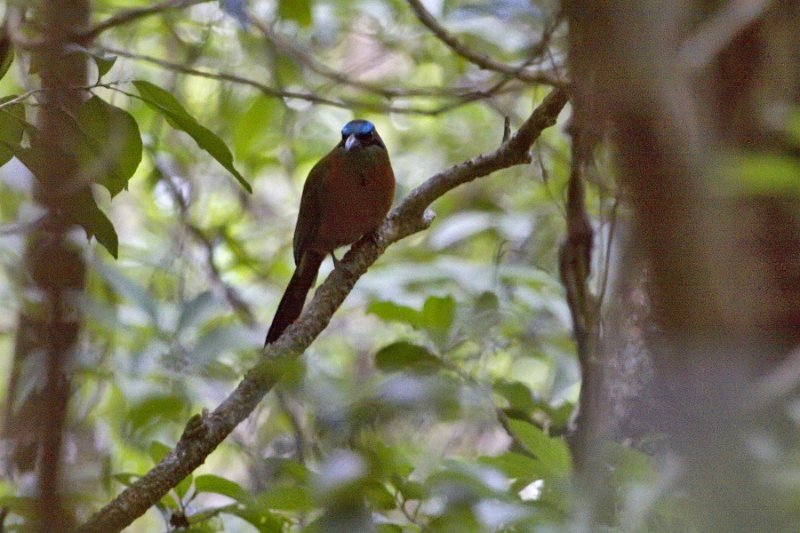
(346, 195)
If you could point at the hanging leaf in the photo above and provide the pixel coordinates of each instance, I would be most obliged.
(110, 145)
(84, 212)
(6, 54)
(12, 127)
(166, 104)
(103, 61)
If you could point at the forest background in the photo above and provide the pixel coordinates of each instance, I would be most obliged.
(581, 313)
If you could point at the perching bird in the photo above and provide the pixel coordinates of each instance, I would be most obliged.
(346, 195)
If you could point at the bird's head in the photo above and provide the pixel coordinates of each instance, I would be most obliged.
(359, 134)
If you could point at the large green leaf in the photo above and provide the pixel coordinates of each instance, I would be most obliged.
(518, 467)
(110, 148)
(552, 452)
(220, 485)
(390, 311)
(177, 116)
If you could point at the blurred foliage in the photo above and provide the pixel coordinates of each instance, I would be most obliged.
(437, 398)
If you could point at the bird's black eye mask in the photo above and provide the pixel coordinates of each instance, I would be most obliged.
(364, 131)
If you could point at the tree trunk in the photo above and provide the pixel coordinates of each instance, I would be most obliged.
(50, 318)
(674, 92)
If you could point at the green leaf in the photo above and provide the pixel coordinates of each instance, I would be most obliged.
(296, 10)
(6, 54)
(411, 490)
(12, 127)
(472, 480)
(401, 356)
(437, 317)
(84, 211)
(263, 521)
(177, 116)
(158, 450)
(286, 469)
(516, 466)
(770, 174)
(110, 146)
(183, 487)
(390, 311)
(551, 452)
(104, 62)
(286, 498)
(517, 394)
(220, 485)
(485, 313)
(153, 410)
(378, 495)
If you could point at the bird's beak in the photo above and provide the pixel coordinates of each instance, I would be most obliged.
(351, 142)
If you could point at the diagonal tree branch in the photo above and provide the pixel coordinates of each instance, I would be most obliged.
(204, 432)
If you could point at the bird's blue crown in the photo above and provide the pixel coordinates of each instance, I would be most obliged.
(358, 127)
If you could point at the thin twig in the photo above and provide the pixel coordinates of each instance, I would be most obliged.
(299, 55)
(574, 265)
(475, 57)
(345, 103)
(129, 15)
(27, 94)
(204, 432)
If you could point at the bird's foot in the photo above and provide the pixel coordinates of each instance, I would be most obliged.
(372, 237)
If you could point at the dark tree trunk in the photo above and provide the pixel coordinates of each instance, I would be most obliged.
(50, 319)
(724, 268)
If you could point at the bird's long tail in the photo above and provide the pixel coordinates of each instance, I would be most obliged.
(295, 295)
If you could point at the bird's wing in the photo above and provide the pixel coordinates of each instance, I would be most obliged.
(308, 218)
